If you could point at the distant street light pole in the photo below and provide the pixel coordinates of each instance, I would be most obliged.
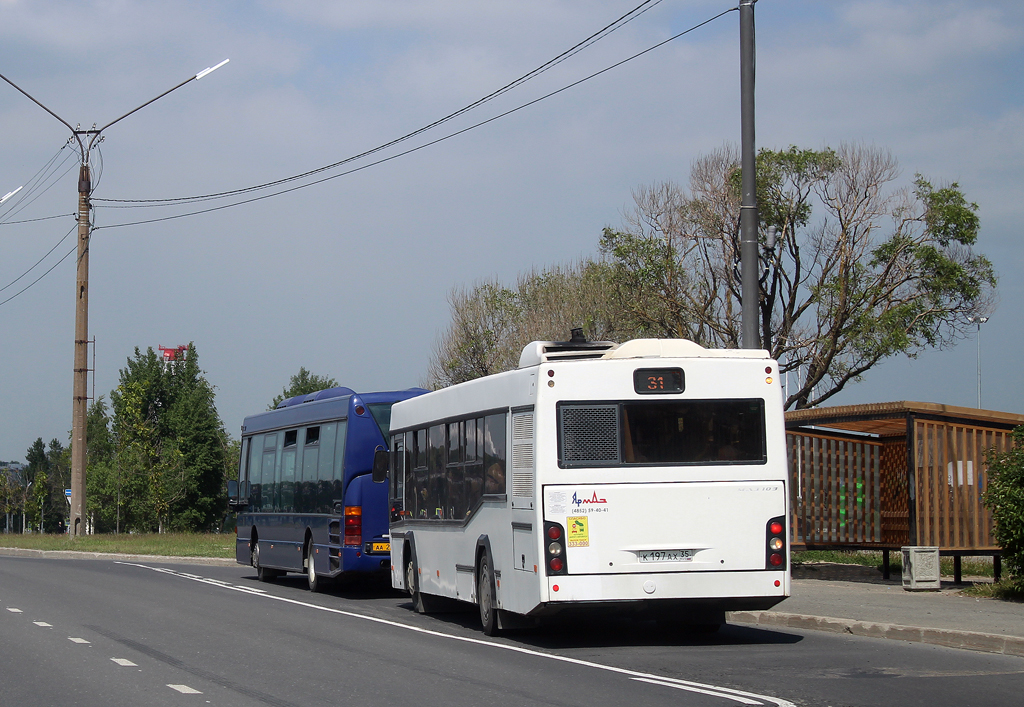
(79, 407)
(748, 208)
(979, 321)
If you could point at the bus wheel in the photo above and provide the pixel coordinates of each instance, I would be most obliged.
(262, 573)
(315, 583)
(413, 587)
(485, 597)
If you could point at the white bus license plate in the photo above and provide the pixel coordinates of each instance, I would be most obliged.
(665, 555)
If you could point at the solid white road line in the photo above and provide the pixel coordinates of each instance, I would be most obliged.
(724, 692)
(666, 683)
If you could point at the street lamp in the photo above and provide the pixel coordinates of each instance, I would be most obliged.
(979, 321)
(8, 195)
(79, 388)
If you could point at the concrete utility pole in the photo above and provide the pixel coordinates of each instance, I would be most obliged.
(750, 288)
(80, 398)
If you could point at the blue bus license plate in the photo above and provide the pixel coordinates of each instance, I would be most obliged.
(380, 547)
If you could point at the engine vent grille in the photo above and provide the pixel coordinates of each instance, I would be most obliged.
(590, 434)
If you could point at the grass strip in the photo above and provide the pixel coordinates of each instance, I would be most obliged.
(169, 544)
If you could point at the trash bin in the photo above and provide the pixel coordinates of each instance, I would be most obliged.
(921, 569)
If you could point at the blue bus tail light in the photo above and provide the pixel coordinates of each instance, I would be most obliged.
(353, 525)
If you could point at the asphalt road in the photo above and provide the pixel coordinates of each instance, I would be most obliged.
(107, 633)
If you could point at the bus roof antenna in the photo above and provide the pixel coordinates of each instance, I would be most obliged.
(577, 336)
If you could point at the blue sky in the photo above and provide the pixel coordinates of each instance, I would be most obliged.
(349, 278)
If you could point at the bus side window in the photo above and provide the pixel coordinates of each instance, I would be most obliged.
(437, 495)
(397, 476)
(325, 466)
(337, 489)
(474, 475)
(416, 492)
(305, 492)
(270, 480)
(287, 502)
(255, 480)
(494, 454)
(456, 505)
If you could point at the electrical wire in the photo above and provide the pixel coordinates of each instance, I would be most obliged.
(56, 245)
(419, 147)
(575, 49)
(22, 200)
(51, 268)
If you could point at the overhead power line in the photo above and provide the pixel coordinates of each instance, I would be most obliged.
(41, 182)
(575, 49)
(399, 154)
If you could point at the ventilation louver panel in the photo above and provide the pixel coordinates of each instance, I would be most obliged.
(590, 434)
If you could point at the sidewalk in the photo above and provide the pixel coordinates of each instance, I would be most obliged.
(856, 600)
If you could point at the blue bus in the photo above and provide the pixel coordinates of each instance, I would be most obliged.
(304, 495)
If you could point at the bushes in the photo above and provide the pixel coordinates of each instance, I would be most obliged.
(1005, 497)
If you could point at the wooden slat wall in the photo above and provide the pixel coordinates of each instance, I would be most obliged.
(950, 481)
(836, 489)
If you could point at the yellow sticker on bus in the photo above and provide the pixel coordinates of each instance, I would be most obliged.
(577, 533)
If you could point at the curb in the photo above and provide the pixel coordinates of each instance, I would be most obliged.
(79, 555)
(949, 638)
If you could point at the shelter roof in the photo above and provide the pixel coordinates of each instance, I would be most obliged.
(889, 419)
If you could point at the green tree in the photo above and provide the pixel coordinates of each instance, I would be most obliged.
(10, 496)
(168, 454)
(55, 506)
(35, 498)
(202, 444)
(303, 383)
(1005, 497)
(37, 460)
(860, 270)
(491, 323)
(102, 496)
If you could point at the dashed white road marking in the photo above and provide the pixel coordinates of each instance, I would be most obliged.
(185, 689)
(715, 690)
(43, 624)
(14, 611)
(125, 662)
(77, 640)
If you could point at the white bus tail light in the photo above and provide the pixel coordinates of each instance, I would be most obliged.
(555, 554)
(775, 558)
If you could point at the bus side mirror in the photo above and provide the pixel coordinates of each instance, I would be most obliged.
(380, 466)
(238, 494)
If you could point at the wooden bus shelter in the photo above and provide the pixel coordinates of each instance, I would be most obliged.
(884, 475)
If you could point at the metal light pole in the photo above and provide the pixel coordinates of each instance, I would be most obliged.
(979, 321)
(79, 400)
(748, 208)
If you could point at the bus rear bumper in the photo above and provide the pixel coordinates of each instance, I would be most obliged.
(729, 591)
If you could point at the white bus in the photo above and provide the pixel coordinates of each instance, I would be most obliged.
(648, 476)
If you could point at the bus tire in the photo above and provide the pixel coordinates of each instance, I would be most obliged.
(485, 597)
(315, 583)
(413, 587)
(263, 574)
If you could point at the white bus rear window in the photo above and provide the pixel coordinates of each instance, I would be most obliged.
(660, 433)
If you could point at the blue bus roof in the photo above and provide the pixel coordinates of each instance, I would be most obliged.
(323, 405)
